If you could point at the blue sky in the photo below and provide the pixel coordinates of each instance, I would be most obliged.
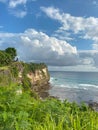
(59, 33)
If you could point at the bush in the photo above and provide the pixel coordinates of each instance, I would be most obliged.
(12, 52)
(7, 56)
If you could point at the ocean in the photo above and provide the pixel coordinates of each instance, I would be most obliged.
(74, 86)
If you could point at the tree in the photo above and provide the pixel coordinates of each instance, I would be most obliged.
(12, 52)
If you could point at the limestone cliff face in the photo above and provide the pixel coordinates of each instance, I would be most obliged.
(39, 79)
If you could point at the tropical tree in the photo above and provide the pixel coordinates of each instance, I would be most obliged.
(12, 52)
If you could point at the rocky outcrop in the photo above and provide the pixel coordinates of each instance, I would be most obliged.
(39, 79)
(93, 105)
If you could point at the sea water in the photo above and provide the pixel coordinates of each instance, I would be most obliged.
(74, 86)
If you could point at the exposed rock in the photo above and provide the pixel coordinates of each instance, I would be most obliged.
(93, 105)
(39, 79)
(14, 73)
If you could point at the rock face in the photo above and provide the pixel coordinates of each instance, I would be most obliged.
(93, 105)
(39, 79)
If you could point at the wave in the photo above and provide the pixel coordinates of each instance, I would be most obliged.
(68, 86)
(88, 85)
(52, 80)
(57, 83)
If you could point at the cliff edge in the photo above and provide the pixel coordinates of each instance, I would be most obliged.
(29, 75)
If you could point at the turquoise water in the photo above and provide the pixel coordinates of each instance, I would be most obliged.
(74, 86)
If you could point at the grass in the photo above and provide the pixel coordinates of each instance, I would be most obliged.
(23, 112)
(4, 68)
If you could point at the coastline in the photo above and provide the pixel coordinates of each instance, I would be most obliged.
(45, 93)
(79, 87)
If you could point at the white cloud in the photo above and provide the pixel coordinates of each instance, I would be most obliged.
(86, 28)
(83, 68)
(95, 46)
(18, 12)
(37, 46)
(96, 59)
(14, 7)
(52, 13)
(68, 22)
(15, 3)
(89, 57)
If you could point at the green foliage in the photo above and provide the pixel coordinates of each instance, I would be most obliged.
(30, 68)
(6, 78)
(25, 81)
(12, 52)
(14, 70)
(8, 75)
(23, 112)
(7, 56)
(34, 66)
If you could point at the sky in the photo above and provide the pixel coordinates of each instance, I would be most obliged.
(61, 33)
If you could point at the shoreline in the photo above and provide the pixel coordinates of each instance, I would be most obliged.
(44, 93)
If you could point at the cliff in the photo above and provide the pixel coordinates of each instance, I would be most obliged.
(33, 76)
(39, 79)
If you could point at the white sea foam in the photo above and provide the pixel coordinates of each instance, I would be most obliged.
(79, 86)
(68, 86)
(63, 84)
(51, 80)
(88, 85)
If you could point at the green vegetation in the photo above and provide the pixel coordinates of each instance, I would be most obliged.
(22, 109)
(7, 56)
(8, 75)
(24, 112)
(12, 52)
(31, 68)
(14, 70)
(11, 74)
(34, 66)
(26, 82)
